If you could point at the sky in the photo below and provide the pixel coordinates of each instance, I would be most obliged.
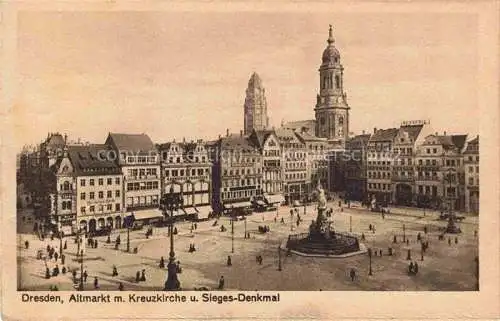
(184, 74)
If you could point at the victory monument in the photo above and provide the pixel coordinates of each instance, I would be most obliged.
(322, 239)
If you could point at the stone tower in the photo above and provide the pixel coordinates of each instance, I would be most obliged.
(332, 110)
(255, 109)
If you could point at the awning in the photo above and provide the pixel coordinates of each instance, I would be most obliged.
(147, 214)
(273, 199)
(190, 211)
(237, 205)
(203, 212)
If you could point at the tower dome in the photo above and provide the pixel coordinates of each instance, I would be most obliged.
(330, 54)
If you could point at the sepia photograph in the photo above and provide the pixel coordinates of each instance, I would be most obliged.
(251, 152)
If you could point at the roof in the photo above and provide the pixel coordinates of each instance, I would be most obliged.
(90, 160)
(309, 124)
(472, 146)
(258, 137)
(236, 141)
(362, 139)
(413, 130)
(286, 134)
(55, 140)
(450, 141)
(384, 135)
(307, 137)
(131, 142)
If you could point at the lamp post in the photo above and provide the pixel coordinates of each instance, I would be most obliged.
(350, 223)
(404, 233)
(80, 286)
(279, 258)
(171, 202)
(370, 272)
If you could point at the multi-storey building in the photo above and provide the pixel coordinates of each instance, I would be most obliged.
(317, 159)
(269, 147)
(236, 173)
(439, 174)
(410, 134)
(379, 165)
(140, 165)
(355, 167)
(93, 184)
(255, 108)
(294, 165)
(186, 169)
(471, 167)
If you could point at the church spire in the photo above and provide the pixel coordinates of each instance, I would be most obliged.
(330, 36)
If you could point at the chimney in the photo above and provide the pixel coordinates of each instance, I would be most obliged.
(445, 133)
(241, 133)
(363, 131)
(227, 132)
(374, 130)
(220, 136)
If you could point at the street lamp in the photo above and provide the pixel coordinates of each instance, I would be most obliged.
(171, 202)
(232, 229)
(404, 233)
(279, 257)
(80, 287)
(370, 272)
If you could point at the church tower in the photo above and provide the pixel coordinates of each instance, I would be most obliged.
(332, 110)
(255, 108)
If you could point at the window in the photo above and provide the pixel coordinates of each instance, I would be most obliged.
(82, 196)
(101, 181)
(92, 209)
(91, 195)
(82, 182)
(109, 207)
(167, 173)
(477, 169)
(83, 209)
(117, 207)
(182, 172)
(109, 194)
(117, 193)
(117, 180)
(471, 169)
(471, 180)
(101, 194)
(91, 182)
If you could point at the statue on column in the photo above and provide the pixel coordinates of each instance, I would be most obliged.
(320, 227)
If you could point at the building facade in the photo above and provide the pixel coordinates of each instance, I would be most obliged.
(317, 159)
(255, 108)
(355, 167)
(471, 167)
(379, 165)
(270, 149)
(332, 110)
(236, 173)
(139, 162)
(294, 165)
(186, 169)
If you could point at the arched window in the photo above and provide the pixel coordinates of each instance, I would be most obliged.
(341, 120)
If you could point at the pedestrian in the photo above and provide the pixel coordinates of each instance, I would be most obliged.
(175, 231)
(178, 267)
(419, 237)
(85, 275)
(47, 273)
(449, 241)
(74, 276)
(407, 241)
(282, 220)
(221, 283)
(415, 267)
(410, 268)
(162, 263)
(108, 240)
(195, 226)
(380, 252)
(63, 258)
(275, 219)
(55, 271)
(115, 271)
(425, 229)
(56, 256)
(96, 283)
(65, 245)
(63, 270)
(137, 276)
(229, 263)
(395, 240)
(340, 203)
(26, 244)
(362, 236)
(456, 240)
(120, 287)
(48, 248)
(352, 274)
(143, 275)
(390, 251)
(95, 244)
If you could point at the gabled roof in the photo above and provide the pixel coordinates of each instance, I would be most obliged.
(131, 142)
(384, 135)
(309, 124)
(361, 139)
(93, 160)
(237, 142)
(258, 137)
(413, 130)
(306, 136)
